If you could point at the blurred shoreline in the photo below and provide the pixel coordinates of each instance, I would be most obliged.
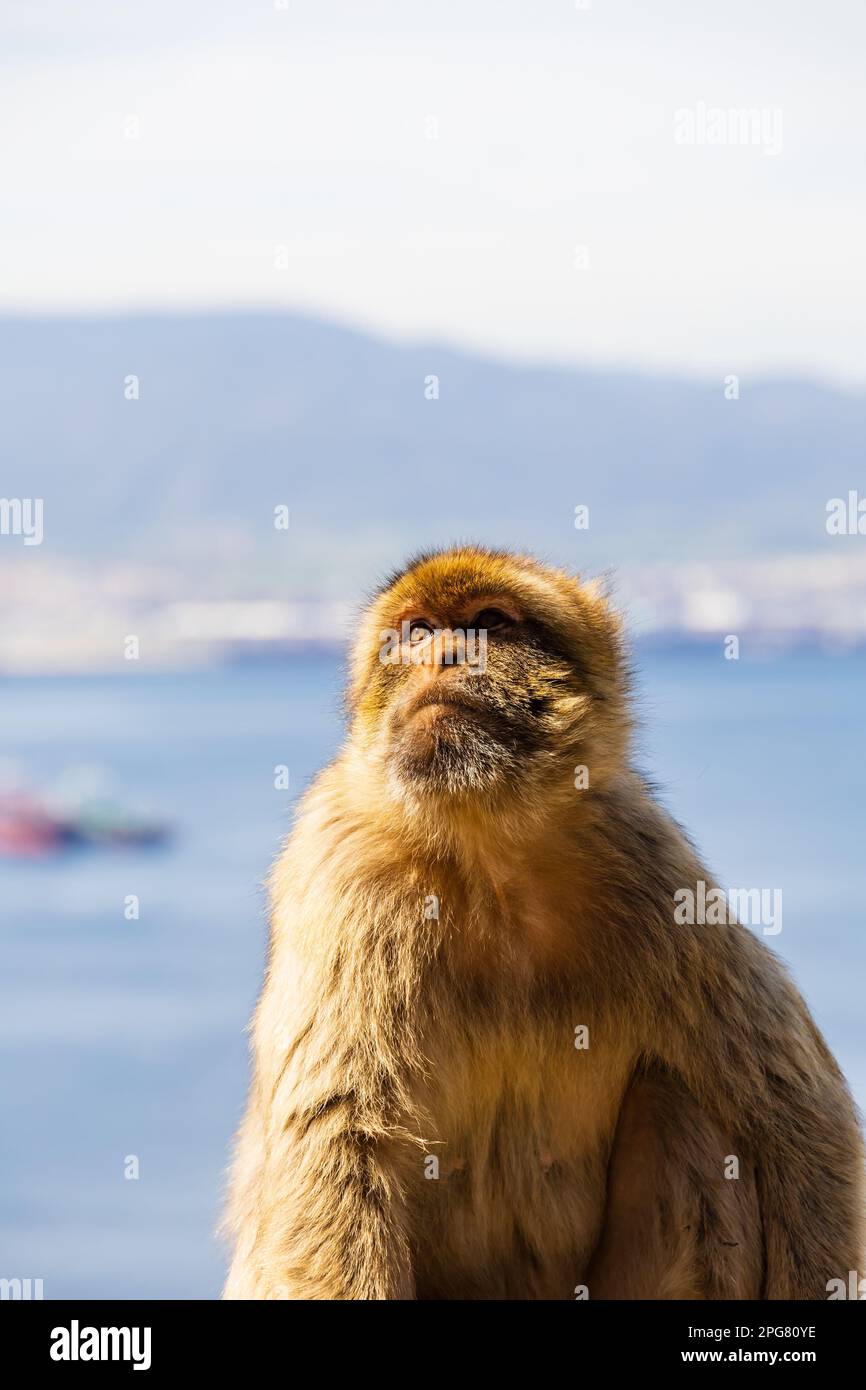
(60, 618)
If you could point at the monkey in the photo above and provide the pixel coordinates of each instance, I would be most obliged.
(488, 1062)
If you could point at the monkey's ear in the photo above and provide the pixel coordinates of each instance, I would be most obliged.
(597, 589)
(598, 594)
(601, 588)
(605, 625)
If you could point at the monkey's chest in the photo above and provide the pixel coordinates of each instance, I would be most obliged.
(508, 1199)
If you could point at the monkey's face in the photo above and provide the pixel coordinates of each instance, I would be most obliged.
(479, 672)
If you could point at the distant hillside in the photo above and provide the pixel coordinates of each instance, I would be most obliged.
(238, 413)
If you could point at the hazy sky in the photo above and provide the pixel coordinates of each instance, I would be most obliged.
(512, 177)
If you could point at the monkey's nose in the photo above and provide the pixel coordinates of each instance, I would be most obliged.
(448, 648)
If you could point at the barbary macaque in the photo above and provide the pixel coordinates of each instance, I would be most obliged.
(489, 1063)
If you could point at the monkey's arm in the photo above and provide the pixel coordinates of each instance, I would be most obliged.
(716, 1010)
(733, 1026)
(317, 1190)
(328, 1222)
(675, 1226)
(319, 1180)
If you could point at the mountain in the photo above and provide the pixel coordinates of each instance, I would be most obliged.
(238, 413)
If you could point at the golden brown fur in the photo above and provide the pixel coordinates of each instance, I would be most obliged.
(387, 1035)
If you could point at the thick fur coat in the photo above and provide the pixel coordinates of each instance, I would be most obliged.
(477, 883)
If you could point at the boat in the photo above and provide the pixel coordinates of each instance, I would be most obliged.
(32, 826)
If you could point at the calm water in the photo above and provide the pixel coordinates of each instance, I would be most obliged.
(127, 1037)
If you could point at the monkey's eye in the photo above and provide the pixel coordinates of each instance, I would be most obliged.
(419, 630)
(490, 619)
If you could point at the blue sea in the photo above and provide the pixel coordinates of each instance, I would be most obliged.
(125, 1038)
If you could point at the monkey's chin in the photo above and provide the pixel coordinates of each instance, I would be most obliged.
(452, 755)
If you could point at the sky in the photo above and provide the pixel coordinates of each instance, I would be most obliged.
(555, 181)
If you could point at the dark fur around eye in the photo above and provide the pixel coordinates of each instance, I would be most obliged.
(491, 619)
